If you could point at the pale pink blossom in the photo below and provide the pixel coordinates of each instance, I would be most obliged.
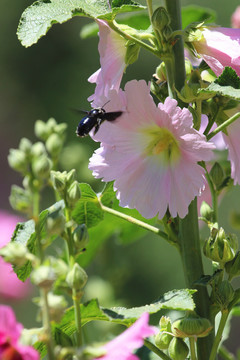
(10, 286)
(219, 47)
(112, 52)
(122, 347)
(235, 19)
(10, 332)
(233, 144)
(151, 152)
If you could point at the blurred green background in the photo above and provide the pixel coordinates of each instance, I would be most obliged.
(47, 80)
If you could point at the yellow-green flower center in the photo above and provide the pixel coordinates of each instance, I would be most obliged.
(163, 144)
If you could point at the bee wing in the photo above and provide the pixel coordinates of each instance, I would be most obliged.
(79, 111)
(111, 116)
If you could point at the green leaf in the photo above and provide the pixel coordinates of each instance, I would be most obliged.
(91, 311)
(25, 234)
(88, 209)
(227, 84)
(194, 13)
(181, 300)
(38, 18)
(138, 21)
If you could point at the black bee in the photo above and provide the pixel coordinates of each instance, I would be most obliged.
(94, 119)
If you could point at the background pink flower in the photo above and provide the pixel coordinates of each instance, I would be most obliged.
(219, 47)
(112, 52)
(10, 332)
(122, 347)
(151, 152)
(10, 286)
(235, 19)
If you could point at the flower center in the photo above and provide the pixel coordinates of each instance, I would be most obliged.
(163, 144)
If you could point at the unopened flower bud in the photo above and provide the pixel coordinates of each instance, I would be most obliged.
(55, 224)
(233, 267)
(25, 145)
(162, 340)
(178, 349)
(73, 193)
(41, 130)
(60, 128)
(54, 145)
(77, 277)
(165, 323)
(41, 167)
(224, 294)
(56, 304)
(132, 52)
(44, 277)
(160, 18)
(206, 211)
(71, 176)
(20, 199)
(17, 160)
(59, 180)
(217, 174)
(14, 253)
(80, 236)
(191, 325)
(38, 149)
(161, 72)
(51, 124)
(220, 247)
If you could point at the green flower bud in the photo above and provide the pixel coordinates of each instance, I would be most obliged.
(54, 145)
(51, 124)
(44, 277)
(80, 236)
(25, 146)
(224, 294)
(14, 253)
(17, 160)
(38, 149)
(71, 176)
(20, 199)
(206, 211)
(132, 52)
(60, 128)
(165, 323)
(188, 67)
(41, 130)
(73, 193)
(41, 167)
(178, 349)
(161, 72)
(55, 224)
(220, 247)
(77, 277)
(233, 267)
(191, 325)
(59, 180)
(217, 175)
(162, 340)
(56, 304)
(160, 18)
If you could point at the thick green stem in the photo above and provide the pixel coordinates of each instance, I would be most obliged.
(219, 334)
(157, 351)
(192, 348)
(188, 227)
(47, 324)
(77, 312)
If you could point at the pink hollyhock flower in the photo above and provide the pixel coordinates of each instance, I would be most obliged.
(10, 286)
(219, 47)
(122, 347)
(151, 152)
(235, 19)
(112, 52)
(232, 143)
(10, 332)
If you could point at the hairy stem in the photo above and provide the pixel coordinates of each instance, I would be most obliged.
(218, 337)
(223, 125)
(157, 351)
